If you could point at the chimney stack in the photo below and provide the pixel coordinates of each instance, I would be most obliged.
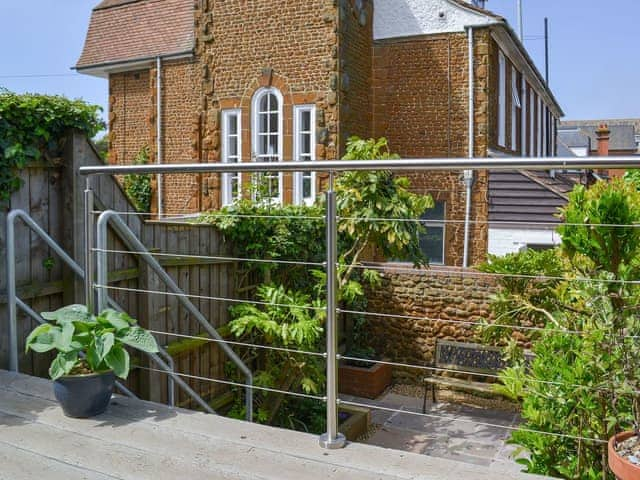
(603, 134)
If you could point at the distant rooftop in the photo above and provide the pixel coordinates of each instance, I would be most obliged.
(623, 132)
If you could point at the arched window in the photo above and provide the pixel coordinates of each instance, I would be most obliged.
(267, 140)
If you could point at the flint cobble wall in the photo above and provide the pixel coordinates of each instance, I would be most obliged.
(441, 299)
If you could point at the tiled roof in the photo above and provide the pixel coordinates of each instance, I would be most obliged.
(125, 30)
(622, 132)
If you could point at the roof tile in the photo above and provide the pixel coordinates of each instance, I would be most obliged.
(125, 30)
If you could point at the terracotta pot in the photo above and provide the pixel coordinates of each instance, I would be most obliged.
(621, 467)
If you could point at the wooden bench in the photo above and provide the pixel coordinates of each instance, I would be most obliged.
(460, 358)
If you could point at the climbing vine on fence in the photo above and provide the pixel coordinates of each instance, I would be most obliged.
(32, 127)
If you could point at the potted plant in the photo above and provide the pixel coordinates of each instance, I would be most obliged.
(91, 353)
(624, 455)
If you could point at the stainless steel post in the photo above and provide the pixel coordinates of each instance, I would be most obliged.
(11, 293)
(88, 248)
(332, 439)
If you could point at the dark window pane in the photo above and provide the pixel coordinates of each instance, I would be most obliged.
(233, 124)
(432, 244)
(273, 102)
(305, 147)
(273, 123)
(273, 144)
(263, 122)
(305, 121)
(306, 187)
(233, 146)
(264, 103)
(435, 213)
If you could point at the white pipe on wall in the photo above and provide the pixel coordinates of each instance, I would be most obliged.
(468, 174)
(159, 152)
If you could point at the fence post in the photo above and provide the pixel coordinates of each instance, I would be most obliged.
(332, 439)
(89, 229)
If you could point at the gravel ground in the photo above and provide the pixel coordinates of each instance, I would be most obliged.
(630, 449)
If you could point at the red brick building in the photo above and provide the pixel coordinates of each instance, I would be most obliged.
(239, 81)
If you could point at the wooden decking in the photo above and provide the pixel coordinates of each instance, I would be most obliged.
(141, 440)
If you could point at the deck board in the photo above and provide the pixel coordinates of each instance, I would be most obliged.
(142, 440)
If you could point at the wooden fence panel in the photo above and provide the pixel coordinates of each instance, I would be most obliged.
(53, 197)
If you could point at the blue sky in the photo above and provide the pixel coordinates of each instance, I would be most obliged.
(595, 70)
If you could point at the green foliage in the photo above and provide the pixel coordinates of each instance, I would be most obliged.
(633, 176)
(102, 147)
(296, 294)
(138, 187)
(604, 243)
(258, 230)
(363, 196)
(523, 296)
(582, 381)
(89, 344)
(291, 320)
(32, 128)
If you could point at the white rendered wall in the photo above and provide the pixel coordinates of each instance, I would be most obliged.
(507, 240)
(403, 18)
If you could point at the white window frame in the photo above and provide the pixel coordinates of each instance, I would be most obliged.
(545, 133)
(227, 178)
(298, 177)
(523, 127)
(515, 104)
(532, 123)
(502, 100)
(255, 133)
(540, 127)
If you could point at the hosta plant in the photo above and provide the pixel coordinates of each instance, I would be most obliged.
(88, 343)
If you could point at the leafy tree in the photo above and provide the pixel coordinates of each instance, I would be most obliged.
(370, 206)
(32, 128)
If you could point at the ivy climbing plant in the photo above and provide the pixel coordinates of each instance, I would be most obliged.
(32, 129)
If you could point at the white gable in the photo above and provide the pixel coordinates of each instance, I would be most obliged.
(404, 18)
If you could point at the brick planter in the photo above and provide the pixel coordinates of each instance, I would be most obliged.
(368, 382)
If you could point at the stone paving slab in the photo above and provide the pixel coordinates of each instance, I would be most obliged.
(456, 432)
(145, 441)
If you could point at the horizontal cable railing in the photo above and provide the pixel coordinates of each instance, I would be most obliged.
(332, 265)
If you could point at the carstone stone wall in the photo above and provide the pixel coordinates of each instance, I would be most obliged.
(243, 46)
(421, 92)
(441, 299)
(131, 114)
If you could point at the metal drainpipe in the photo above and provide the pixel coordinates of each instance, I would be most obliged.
(468, 174)
(159, 131)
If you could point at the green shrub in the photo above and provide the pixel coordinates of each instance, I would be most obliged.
(583, 382)
(32, 128)
(138, 187)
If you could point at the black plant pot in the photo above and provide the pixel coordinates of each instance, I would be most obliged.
(84, 396)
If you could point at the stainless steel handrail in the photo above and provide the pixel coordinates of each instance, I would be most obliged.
(332, 438)
(398, 165)
(14, 301)
(110, 217)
